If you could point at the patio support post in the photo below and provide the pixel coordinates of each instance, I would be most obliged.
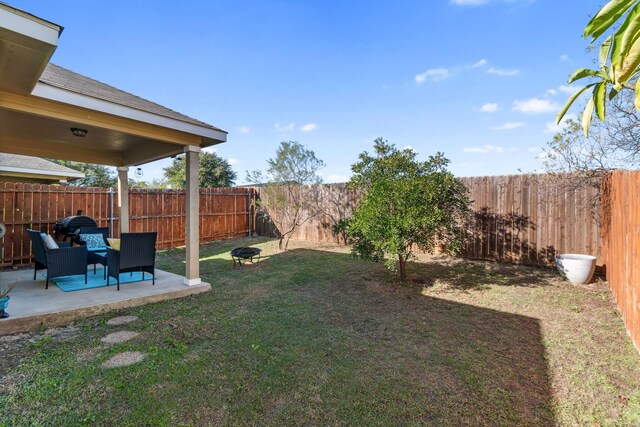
(123, 198)
(192, 276)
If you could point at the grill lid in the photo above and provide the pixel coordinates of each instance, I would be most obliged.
(77, 221)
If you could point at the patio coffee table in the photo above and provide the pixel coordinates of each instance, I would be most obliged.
(100, 258)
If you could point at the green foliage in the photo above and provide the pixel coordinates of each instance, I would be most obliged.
(406, 203)
(95, 175)
(289, 190)
(619, 58)
(611, 144)
(156, 183)
(214, 172)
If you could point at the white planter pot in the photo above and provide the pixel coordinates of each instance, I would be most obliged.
(576, 268)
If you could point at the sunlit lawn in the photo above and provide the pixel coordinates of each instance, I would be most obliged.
(314, 337)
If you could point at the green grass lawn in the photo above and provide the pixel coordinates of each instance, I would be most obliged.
(315, 337)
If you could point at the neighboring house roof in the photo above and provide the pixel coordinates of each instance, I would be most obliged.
(60, 77)
(16, 167)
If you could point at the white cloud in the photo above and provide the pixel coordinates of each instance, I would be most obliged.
(568, 89)
(480, 63)
(232, 160)
(503, 72)
(564, 58)
(484, 149)
(286, 128)
(209, 149)
(433, 74)
(309, 127)
(489, 107)
(552, 92)
(535, 106)
(534, 149)
(244, 129)
(336, 178)
(508, 126)
(408, 147)
(552, 127)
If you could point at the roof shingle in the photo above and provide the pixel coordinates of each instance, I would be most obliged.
(59, 77)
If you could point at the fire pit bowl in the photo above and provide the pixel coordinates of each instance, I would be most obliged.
(244, 253)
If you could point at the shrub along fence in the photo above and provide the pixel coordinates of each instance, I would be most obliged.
(524, 219)
(224, 212)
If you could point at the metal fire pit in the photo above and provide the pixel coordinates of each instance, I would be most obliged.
(242, 254)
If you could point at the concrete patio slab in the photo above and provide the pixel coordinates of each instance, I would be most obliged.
(33, 307)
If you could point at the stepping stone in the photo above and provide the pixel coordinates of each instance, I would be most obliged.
(121, 320)
(124, 359)
(118, 337)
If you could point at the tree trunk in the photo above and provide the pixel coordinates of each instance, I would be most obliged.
(402, 261)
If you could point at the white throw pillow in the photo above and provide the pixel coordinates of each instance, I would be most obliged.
(49, 243)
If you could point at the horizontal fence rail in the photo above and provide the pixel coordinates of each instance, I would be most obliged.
(224, 213)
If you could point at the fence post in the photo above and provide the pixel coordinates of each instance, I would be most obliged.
(249, 211)
(110, 211)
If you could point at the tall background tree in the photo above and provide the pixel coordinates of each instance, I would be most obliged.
(406, 204)
(289, 193)
(619, 59)
(95, 175)
(214, 172)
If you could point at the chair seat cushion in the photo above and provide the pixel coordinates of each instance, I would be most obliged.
(49, 243)
(93, 241)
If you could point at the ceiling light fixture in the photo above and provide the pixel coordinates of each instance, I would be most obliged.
(81, 133)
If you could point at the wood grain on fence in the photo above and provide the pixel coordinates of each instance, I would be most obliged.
(223, 213)
(621, 245)
(524, 219)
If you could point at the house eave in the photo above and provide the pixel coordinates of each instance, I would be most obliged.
(43, 90)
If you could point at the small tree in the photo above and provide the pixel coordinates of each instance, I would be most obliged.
(289, 191)
(214, 172)
(406, 204)
(94, 175)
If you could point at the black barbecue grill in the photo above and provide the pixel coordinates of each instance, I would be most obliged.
(69, 226)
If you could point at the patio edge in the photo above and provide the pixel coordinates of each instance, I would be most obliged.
(33, 323)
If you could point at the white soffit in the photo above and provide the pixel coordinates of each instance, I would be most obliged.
(26, 45)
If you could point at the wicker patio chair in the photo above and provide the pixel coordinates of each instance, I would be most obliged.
(63, 261)
(137, 253)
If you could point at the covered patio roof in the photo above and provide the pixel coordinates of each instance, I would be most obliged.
(49, 111)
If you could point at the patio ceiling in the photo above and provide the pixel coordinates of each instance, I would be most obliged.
(41, 102)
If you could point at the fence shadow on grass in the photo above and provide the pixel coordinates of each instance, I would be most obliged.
(458, 363)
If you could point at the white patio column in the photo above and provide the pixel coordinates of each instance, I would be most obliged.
(123, 198)
(192, 276)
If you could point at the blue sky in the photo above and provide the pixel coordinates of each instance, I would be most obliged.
(480, 80)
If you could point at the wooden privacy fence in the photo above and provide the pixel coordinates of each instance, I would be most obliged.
(621, 245)
(520, 218)
(224, 212)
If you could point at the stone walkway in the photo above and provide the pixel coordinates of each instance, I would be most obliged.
(125, 358)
